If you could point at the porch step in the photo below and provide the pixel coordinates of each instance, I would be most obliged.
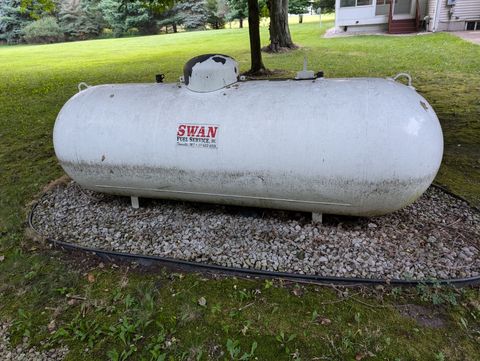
(402, 26)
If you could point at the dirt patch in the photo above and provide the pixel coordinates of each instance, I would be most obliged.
(423, 315)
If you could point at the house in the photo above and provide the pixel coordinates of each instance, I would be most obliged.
(453, 15)
(406, 16)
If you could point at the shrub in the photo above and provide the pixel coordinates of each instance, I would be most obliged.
(106, 33)
(43, 31)
(132, 32)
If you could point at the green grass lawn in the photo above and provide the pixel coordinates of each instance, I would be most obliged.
(146, 314)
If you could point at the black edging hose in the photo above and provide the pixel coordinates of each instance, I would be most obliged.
(146, 260)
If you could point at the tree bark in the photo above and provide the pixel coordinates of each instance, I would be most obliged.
(300, 18)
(280, 38)
(241, 22)
(174, 25)
(256, 66)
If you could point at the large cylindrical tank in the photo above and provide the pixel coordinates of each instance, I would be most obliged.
(361, 146)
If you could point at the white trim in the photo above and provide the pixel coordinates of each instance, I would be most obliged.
(358, 16)
(436, 17)
(379, 19)
(337, 7)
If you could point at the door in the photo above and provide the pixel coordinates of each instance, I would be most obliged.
(403, 9)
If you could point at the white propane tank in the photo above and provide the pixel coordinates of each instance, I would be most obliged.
(362, 146)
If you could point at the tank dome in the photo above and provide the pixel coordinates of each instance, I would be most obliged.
(210, 72)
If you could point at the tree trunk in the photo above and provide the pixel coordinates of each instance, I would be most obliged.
(241, 23)
(257, 66)
(280, 38)
(174, 25)
(300, 18)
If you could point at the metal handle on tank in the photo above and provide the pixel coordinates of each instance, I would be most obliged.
(82, 86)
(399, 75)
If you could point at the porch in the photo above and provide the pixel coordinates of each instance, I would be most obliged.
(392, 16)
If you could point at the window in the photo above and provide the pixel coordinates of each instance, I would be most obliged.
(383, 7)
(472, 25)
(347, 3)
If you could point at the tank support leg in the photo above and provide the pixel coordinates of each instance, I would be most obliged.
(317, 218)
(135, 202)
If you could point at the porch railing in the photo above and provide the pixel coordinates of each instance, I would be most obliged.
(417, 16)
(390, 15)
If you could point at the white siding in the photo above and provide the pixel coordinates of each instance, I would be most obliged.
(431, 8)
(453, 18)
(466, 10)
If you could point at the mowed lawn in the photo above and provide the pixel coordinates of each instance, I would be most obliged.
(150, 314)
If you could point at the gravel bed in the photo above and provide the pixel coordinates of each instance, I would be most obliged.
(25, 352)
(437, 237)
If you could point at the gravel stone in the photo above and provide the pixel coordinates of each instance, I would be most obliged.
(437, 237)
(24, 352)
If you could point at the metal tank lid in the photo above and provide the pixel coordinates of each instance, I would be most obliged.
(210, 72)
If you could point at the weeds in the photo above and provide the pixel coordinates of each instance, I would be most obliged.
(156, 345)
(23, 325)
(126, 331)
(114, 355)
(285, 341)
(357, 343)
(84, 330)
(243, 295)
(234, 351)
(438, 294)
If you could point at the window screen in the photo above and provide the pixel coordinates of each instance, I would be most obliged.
(345, 3)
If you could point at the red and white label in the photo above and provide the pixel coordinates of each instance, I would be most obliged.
(197, 135)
